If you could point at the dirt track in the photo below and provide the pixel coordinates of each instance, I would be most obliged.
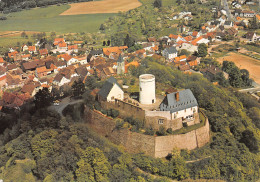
(105, 6)
(244, 62)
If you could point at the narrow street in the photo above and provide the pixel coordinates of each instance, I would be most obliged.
(63, 104)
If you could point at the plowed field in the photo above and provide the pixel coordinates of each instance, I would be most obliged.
(244, 62)
(105, 6)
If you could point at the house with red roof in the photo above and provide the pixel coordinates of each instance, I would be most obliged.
(199, 40)
(12, 54)
(43, 52)
(2, 76)
(180, 59)
(73, 48)
(32, 49)
(58, 40)
(42, 72)
(196, 34)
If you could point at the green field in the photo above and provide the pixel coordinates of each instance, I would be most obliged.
(48, 19)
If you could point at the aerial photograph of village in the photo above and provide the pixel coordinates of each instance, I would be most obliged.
(129, 90)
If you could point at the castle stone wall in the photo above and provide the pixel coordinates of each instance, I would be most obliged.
(155, 146)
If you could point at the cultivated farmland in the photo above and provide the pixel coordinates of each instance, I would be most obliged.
(244, 62)
(105, 6)
(49, 19)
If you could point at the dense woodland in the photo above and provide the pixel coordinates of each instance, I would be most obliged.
(42, 145)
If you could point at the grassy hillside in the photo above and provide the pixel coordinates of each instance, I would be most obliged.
(48, 19)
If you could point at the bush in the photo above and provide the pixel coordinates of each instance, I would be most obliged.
(149, 131)
(97, 106)
(119, 124)
(161, 131)
(114, 113)
(132, 82)
(169, 130)
(3, 18)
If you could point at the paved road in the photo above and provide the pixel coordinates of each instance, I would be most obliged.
(64, 103)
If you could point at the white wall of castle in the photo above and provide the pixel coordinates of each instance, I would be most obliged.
(165, 114)
(186, 113)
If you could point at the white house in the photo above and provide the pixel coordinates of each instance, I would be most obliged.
(111, 91)
(181, 104)
(170, 53)
(72, 61)
(60, 80)
(189, 47)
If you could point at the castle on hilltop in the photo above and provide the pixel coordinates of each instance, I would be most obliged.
(175, 111)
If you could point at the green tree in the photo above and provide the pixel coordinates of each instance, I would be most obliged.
(42, 98)
(249, 139)
(227, 66)
(157, 3)
(184, 52)
(235, 79)
(91, 82)
(245, 77)
(23, 34)
(202, 50)
(254, 23)
(129, 41)
(93, 166)
(78, 88)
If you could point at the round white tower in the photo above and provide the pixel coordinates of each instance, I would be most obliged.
(147, 89)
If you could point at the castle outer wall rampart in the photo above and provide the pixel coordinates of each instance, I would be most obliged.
(155, 146)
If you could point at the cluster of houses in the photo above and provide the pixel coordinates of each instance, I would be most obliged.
(33, 67)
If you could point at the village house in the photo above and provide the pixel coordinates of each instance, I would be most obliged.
(110, 91)
(42, 72)
(228, 24)
(73, 48)
(96, 53)
(251, 36)
(114, 50)
(31, 88)
(60, 80)
(2, 76)
(43, 52)
(181, 104)
(170, 53)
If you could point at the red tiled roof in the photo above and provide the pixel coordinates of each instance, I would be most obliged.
(188, 38)
(62, 44)
(31, 48)
(194, 42)
(43, 51)
(12, 54)
(71, 47)
(195, 33)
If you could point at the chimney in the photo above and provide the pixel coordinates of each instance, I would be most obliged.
(177, 96)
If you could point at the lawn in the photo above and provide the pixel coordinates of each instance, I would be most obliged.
(11, 41)
(48, 19)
